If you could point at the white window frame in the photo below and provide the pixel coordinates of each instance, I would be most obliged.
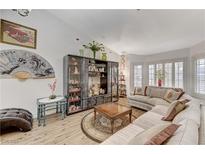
(175, 83)
(153, 80)
(140, 76)
(161, 66)
(168, 81)
(196, 79)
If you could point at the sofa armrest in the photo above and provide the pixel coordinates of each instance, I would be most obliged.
(202, 126)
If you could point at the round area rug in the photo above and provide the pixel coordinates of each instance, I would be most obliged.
(101, 129)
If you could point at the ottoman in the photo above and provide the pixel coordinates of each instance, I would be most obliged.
(16, 117)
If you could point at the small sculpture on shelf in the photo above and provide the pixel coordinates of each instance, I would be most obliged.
(92, 68)
(94, 90)
(76, 70)
(74, 61)
(101, 69)
(102, 91)
(74, 82)
(74, 108)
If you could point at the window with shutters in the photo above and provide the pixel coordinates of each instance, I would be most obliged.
(137, 75)
(179, 75)
(200, 76)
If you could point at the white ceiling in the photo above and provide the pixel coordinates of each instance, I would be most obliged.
(141, 32)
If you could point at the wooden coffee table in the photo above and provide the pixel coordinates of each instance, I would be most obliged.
(112, 111)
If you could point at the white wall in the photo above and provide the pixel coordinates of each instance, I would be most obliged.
(55, 39)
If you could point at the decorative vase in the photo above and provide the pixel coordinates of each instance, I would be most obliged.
(104, 56)
(81, 52)
(159, 83)
(94, 54)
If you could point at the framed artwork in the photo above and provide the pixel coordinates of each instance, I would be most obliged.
(16, 34)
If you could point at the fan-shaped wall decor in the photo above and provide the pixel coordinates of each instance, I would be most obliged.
(23, 65)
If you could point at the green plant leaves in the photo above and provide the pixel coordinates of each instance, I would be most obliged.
(95, 46)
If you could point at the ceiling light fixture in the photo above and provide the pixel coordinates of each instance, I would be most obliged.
(22, 12)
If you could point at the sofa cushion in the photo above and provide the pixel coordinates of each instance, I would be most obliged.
(147, 90)
(155, 135)
(140, 105)
(192, 111)
(124, 135)
(149, 119)
(148, 100)
(202, 126)
(138, 91)
(160, 109)
(186, 134)
(179, 90)
(139, 98)
(174, 108)
(172, 95)
(157, 92)
(157, 101)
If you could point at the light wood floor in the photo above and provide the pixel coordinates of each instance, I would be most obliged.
(56, 131)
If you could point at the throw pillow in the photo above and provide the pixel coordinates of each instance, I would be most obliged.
(184, 100)
(171, 95)
(138, 91)
(174, 108)
(179, 90)
(147, 90)
(157, 134)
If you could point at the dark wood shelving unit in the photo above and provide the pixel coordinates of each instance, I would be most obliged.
(89, 82)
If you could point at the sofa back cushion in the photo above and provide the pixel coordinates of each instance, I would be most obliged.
(174, 108)
(138, 91)
(157, 92)
(186, 134)
(192, 112)
(172, 95)
(154, 135)
(152, 91)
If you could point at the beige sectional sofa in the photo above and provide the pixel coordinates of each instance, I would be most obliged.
(146, 102)
(189, 119)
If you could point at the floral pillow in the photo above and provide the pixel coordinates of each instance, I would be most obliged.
(172, 95)
(174, 108)
(138, 91)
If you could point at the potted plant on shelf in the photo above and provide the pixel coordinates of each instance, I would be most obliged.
(160, 77)
(94, 47)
